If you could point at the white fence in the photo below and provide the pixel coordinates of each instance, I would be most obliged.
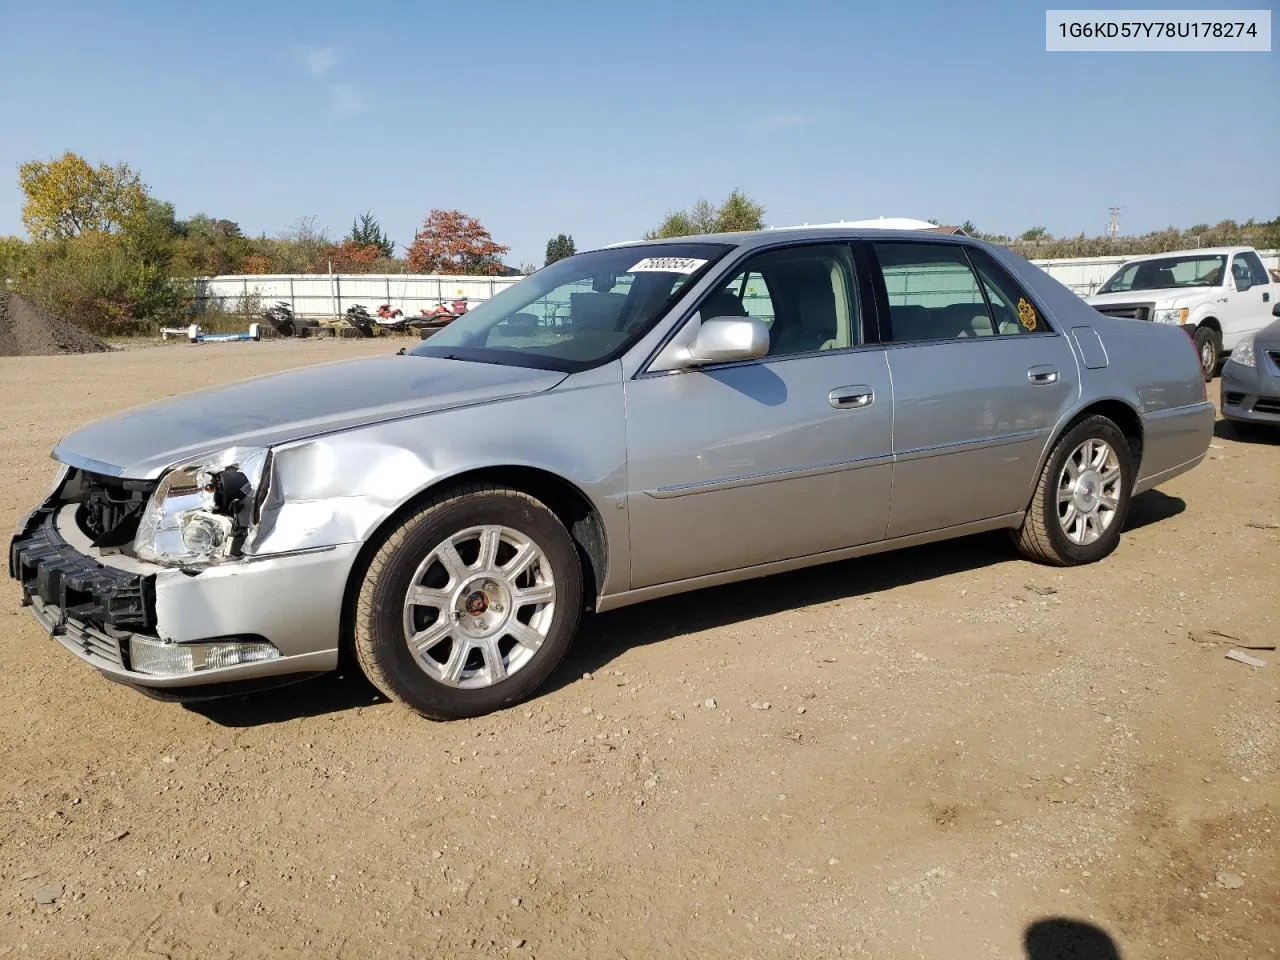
(329, 295)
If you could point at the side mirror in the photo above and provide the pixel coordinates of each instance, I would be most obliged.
(724, 339)
(1275, 311)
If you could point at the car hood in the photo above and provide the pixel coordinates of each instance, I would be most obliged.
(1268, 338)
(141, 443)
(1171, 296)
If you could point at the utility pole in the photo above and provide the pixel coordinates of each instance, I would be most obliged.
(1113, 226)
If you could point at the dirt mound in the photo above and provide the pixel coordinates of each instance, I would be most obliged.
(29, 330)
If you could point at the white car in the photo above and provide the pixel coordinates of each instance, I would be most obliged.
(1220, 296)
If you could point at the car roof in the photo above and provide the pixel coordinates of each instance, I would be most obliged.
(772, 235)
(1198, 251)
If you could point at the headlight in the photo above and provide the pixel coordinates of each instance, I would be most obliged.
(201, 510)
(1243, 354)
(1176, 315)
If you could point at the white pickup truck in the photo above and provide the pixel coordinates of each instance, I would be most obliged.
(1220, 295)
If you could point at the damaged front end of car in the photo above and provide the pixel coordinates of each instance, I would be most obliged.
(130, 575)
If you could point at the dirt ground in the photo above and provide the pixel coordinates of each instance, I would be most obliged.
(908, 756)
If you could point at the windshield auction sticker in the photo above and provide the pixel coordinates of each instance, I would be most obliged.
(1161, 31)
(668, 265)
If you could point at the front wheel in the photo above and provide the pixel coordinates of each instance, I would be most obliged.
(1082, 497)
(469, 604)
(1209, 346)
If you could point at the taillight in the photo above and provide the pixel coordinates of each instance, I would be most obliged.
(1195, 351)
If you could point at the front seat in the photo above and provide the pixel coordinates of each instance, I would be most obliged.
(723, 304)
(811, 321)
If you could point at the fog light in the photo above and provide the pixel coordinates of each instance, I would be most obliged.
(175, 659)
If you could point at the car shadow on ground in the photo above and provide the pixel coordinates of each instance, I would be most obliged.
(1261, 434)
(606, 636)
(1152, 507)
(345, 689)
(1060, 938)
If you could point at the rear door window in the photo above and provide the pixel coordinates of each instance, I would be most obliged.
(933, 292)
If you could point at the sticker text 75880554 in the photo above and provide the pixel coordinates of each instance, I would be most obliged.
(667, 265)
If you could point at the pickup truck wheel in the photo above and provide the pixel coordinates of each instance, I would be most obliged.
(469, 604)
(1209, 346)
(1082, 497)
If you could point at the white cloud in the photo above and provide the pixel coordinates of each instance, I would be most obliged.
(320, 60)
(346, 100)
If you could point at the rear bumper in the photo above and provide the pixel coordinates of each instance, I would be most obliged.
(1251, 394)
(1174, 441)
(96, 606)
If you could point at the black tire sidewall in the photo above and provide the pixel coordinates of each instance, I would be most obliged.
(426, 531)
(1098, 428)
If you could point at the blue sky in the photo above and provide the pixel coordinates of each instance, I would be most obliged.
(596, 118)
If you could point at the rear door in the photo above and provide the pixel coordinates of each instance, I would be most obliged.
(980, 379)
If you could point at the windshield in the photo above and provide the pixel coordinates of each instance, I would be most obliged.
(579, 312)
(1194, 270)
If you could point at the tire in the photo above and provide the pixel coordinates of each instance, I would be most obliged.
(1209, 347)
(469, 664)
(1044, 535)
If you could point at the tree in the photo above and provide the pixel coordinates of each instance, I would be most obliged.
(559, 247)
(367, 232)
(303, 248)
(209, 247)
(969, 228)
(453, 242)
(1034, 234)
(67, 196)
(352, 257)
(738, 212)
(256, 263)
(13, 254)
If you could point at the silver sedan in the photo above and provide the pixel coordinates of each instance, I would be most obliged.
(625, 424)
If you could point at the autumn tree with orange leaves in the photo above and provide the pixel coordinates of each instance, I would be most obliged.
(452, 242)
(352, 257)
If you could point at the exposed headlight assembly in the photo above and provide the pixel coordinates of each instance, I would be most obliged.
(1243, 354)
(202, 509)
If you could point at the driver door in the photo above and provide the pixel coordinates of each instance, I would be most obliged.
(738, 464)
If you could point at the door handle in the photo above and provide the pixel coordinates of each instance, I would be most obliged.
(1042, 375)
(850, 398)
(1266, 297)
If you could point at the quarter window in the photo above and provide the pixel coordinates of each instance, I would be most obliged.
(806, 296)
(1011, 309)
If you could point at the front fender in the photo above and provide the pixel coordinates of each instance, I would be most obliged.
(340, 488)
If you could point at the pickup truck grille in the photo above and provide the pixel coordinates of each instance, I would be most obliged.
(1133, 311)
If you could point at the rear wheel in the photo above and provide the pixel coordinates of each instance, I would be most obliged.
(1209, 346)
(1082, 498)
(470, 603)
